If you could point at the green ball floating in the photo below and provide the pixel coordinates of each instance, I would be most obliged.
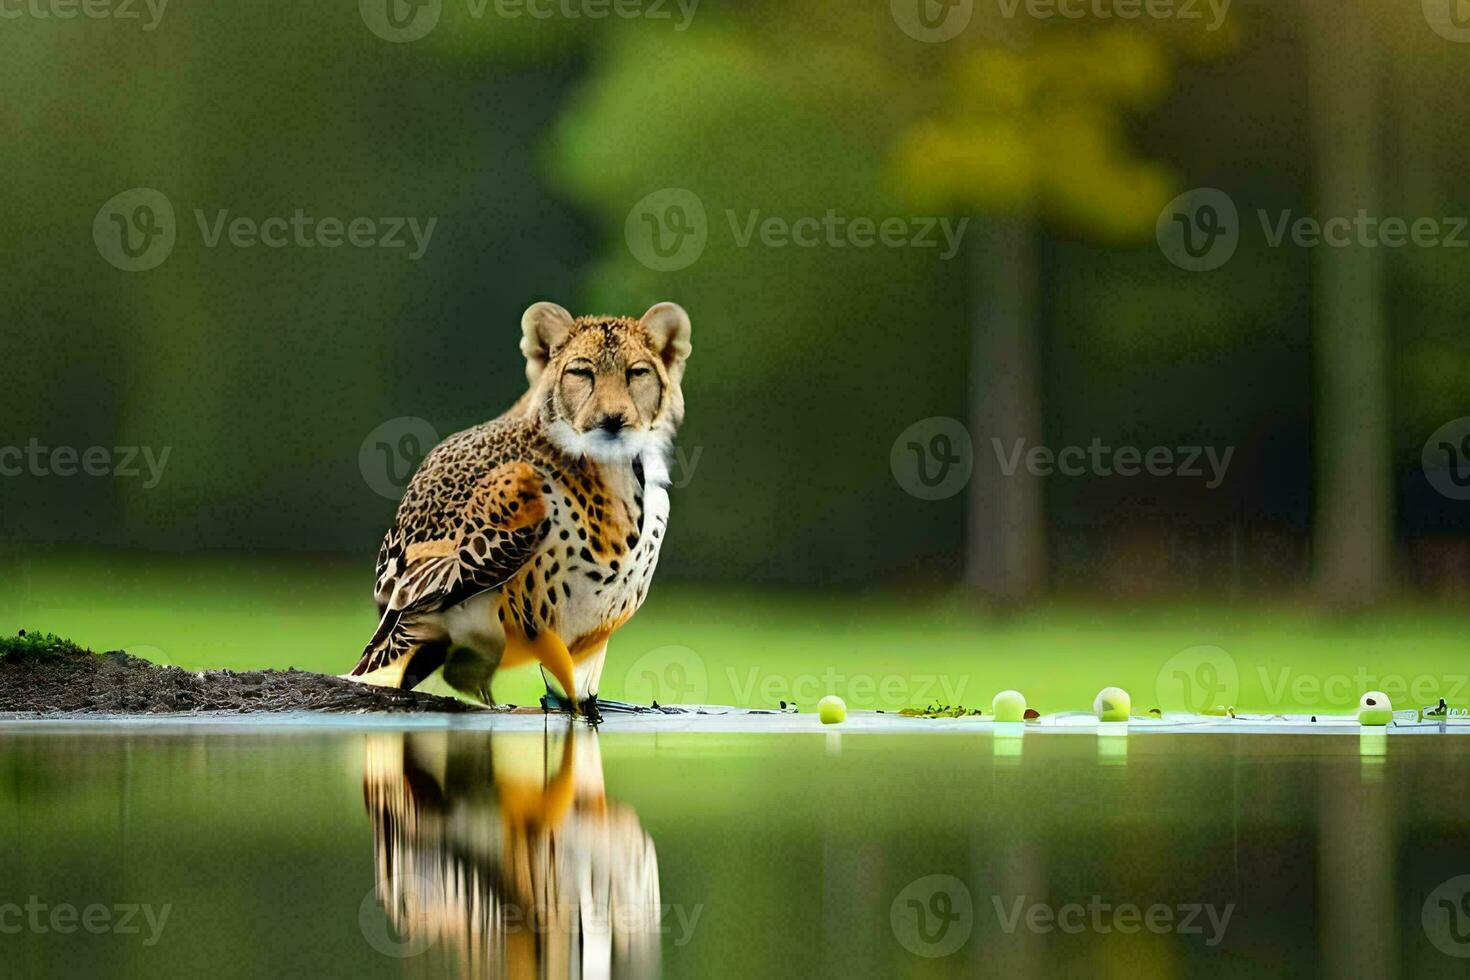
(1375, 709)
(832, 710)
(1009, 706)
(1112, 704)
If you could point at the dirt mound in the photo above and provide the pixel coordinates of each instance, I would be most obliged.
(41, 674)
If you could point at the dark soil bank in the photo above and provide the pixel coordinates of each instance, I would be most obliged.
(44, 675)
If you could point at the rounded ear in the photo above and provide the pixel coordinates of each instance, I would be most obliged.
(667, 325)
(543, 327)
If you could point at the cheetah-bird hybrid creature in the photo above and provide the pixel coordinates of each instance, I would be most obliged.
(533, 537)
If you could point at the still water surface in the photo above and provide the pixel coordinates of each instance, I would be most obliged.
(219, 851)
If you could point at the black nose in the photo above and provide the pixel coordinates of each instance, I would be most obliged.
(613, 424)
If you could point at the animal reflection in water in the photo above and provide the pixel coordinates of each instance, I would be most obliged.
(502, 853)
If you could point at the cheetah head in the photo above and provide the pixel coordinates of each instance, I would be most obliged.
(607, 387)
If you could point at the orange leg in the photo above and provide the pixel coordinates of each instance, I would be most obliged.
(553, 654)
(548, 650)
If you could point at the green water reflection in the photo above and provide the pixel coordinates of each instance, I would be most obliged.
(546, 853)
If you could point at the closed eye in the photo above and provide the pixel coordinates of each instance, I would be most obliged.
(578, 371)
(640, 371)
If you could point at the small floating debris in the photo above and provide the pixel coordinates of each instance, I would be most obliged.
(942, 711)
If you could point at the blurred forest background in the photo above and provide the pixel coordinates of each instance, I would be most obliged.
(529, 140)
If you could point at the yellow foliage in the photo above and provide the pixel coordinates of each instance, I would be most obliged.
(987, 164)
(1039, 128)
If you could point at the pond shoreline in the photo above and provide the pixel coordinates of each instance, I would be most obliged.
(43, 676)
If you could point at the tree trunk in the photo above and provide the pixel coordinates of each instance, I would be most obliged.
(1352, 540)
(1006, 541)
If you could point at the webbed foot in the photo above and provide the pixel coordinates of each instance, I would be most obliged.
(552, 701)
(593, 707)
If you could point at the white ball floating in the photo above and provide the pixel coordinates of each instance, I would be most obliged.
(1009, 706)
(1112, 704)
(832, 710)
(1375, 709)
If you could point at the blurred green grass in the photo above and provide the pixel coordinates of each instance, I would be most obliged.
(757, 648)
